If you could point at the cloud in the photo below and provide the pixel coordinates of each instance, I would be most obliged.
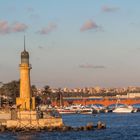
(50, 28)
(90, 66)
(89, 25)
(6, 28)
(19, 27)
(106, 8)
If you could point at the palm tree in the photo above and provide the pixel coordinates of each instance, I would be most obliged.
(46, 97)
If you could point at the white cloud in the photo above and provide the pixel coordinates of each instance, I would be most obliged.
(6, 28)
(19, 27)
(89, 25)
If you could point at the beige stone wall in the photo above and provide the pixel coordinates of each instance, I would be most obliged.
(30, 119)
(27, 115)
(50, 122)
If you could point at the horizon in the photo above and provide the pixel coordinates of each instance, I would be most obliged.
(72, 44)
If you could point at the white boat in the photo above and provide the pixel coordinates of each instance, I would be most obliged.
(69, 110)
(86, 111)
(66, 111)
(123, 109)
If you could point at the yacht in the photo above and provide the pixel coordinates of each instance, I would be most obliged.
(69, 110)
(123, 109)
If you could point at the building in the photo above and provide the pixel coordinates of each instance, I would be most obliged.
(25, 114)
(133, 95)
(25, 101)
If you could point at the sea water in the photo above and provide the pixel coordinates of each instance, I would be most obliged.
(119, 127)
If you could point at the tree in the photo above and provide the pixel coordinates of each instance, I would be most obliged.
(47, 90)
(46, 97)
(60, 97)
(11, 90)
(37, 100)
(34, 90)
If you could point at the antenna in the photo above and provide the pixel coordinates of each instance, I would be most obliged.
(24, 44)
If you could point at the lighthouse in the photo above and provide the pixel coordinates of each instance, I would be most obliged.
(26, 115)
(25, 101)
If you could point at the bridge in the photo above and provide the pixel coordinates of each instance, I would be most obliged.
(102, 101)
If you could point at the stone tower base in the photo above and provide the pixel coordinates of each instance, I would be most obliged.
(26, 103)
(30, 119)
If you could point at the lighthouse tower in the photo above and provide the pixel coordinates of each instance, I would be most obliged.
(25, 101)
(25, 116)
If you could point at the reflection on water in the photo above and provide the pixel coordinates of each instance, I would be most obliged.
(119, 126)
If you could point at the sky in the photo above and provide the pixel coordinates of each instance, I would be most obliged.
(72, 43)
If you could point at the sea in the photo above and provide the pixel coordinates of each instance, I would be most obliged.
(119, 127)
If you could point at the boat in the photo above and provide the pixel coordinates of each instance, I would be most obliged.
(66, 111)
(86, 111)
(99, 108)
(69, 109)
(123, 109)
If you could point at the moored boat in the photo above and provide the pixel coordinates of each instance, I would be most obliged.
(86, 111)
(66, 111)
(123, 109)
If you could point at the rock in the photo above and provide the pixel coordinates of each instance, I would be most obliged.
(101, 125)
(89, 126)
(65, 128)
(2, 128)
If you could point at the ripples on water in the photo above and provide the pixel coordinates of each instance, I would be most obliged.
(119, 127)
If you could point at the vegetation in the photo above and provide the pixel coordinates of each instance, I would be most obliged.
(9, 91)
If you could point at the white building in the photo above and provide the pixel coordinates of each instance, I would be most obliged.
(133, 95)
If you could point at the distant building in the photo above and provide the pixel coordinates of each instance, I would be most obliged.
(133, 95)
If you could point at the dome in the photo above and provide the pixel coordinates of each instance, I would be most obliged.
(24, 54)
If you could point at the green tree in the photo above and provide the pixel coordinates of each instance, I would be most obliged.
(10, 90)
